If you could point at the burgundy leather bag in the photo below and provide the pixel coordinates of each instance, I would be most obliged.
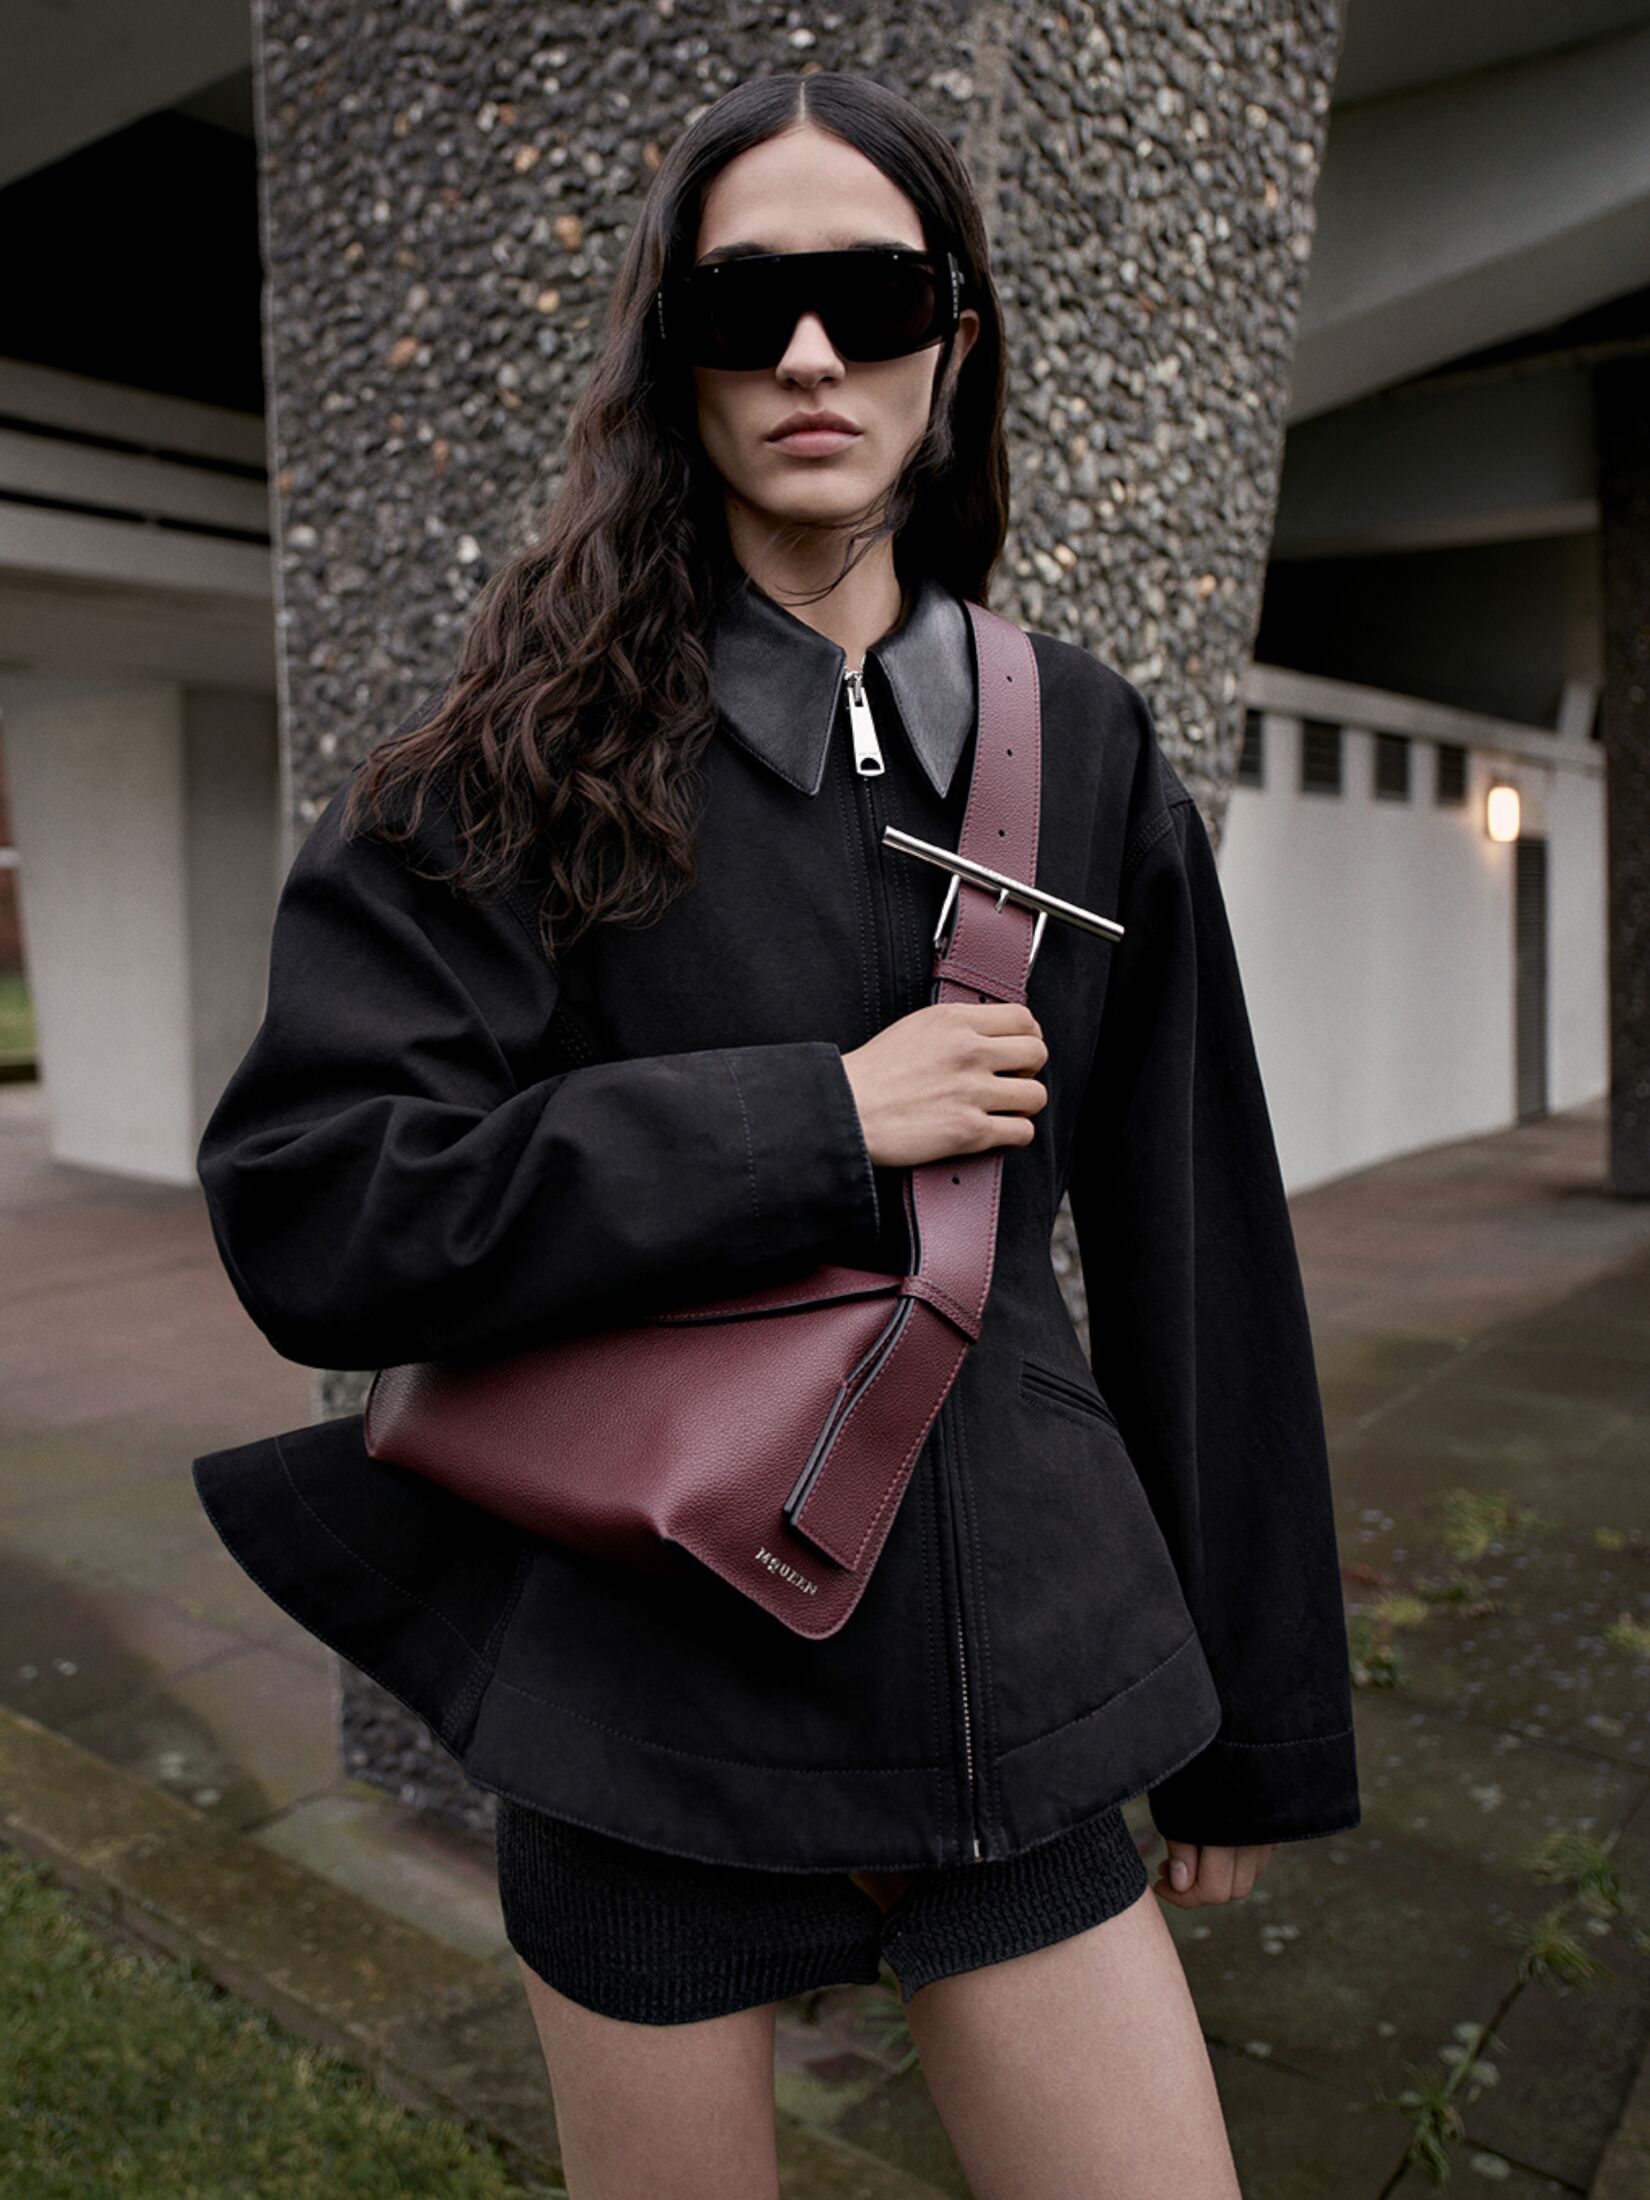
(769, 1437)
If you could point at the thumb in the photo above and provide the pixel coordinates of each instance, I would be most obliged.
(1182, 1864)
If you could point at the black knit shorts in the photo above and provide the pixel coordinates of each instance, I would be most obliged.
(659, 1939)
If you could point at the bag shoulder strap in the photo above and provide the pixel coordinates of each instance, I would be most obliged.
(951, 1205)
(845, 1499)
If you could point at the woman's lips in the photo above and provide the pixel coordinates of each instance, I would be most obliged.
(815, 442)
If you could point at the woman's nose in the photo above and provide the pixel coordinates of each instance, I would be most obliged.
(810, 344)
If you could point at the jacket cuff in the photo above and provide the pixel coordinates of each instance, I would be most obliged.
(1237, 1794)
(811, 1175)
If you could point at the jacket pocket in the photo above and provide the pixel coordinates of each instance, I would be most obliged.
(1050, 1387)
(1080, 1593)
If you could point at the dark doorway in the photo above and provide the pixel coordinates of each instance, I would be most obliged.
(1530, 976)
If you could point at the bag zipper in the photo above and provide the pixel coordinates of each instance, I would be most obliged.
(859, 1379)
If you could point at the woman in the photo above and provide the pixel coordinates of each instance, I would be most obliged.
(641, 827)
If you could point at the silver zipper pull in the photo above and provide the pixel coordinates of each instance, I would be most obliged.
(867, 751)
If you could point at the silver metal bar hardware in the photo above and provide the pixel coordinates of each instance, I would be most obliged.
(1007, 889)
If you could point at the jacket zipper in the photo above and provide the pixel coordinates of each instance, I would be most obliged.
(869, 765)
(955, 1510)
(867, 749)
(968, 1747)
(868, 762)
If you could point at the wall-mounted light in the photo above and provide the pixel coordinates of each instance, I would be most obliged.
(1501, 808)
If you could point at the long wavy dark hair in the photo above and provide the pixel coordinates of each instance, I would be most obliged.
(580, 701)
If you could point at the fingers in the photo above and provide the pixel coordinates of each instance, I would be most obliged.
(1214, 1874)
(997, 1029)
(1002, 1130)
(1177, 1873)
(1008, 1095)
(1216, 1871)
(1004, 1112)
(1011, 1050)
(955, 1077)
(1007, 1046)
(991, 1016)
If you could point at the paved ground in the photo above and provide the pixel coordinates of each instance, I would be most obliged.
(1482, 1314)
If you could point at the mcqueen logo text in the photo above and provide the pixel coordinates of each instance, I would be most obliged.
(789, 1573)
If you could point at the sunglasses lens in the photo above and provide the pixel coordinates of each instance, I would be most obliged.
(731, 318)
(742, 313)
(886, 313)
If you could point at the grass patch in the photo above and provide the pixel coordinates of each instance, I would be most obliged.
(1478, 1522)
(123, 2071)
(17, 1034)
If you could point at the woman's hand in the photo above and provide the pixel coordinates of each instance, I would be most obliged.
(1194, 1874)
(951, 1078)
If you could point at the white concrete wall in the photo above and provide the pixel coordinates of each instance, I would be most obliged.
(1375, 939)
(146, 820)
(95, 769)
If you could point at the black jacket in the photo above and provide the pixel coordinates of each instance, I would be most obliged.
(1098, 1582)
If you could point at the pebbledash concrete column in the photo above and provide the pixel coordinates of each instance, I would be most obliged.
(447, 189)
(1621, 390)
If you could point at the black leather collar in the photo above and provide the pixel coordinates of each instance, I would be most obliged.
(778, 681)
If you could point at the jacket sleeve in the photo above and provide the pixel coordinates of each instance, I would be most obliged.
(1201, 1345)
(385, 1185)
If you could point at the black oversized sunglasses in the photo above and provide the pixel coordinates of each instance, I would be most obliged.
(876, 301)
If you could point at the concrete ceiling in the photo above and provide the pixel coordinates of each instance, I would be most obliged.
(1461, 212)
(109, 62)
(76, 70)
(1398, 45)
(1487, 173)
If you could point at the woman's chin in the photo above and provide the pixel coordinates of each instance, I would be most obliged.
(821, 505)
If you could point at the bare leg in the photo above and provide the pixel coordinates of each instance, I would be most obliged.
(884, 1888)
(659, 2111)
(1078, 2069)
